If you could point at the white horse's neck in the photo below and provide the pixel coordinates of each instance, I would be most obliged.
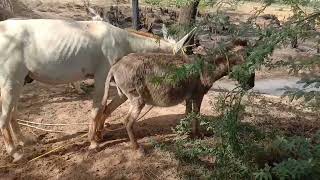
(139, 43)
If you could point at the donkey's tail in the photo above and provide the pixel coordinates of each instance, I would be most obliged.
(107, 87)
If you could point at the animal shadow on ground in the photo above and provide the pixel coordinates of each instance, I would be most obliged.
(116, 133)
(113, 135)
(160, 125)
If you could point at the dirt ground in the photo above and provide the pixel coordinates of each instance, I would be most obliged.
(42, 103)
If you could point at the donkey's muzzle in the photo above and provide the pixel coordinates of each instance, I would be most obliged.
(250, 82)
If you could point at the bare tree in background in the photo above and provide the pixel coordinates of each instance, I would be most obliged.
(135, 14)
(6, 4)
(6, 10)
(187, 17)
(188, 13)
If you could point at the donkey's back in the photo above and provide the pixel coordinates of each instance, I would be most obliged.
(140, 74)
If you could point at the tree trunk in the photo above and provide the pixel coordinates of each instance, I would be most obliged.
(187, 17)
(6, 10)
(188, 13)
(135, 14)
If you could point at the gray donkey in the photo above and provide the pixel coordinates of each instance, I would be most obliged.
(133, 77)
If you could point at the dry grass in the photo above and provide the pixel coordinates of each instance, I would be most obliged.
(51, 105)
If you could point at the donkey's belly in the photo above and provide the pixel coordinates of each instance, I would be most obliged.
(166, 97)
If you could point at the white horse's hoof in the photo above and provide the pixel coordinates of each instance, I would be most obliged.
(25, 141)
(3, 124)
(17, 157)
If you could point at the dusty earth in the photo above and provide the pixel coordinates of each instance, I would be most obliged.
(71, 159)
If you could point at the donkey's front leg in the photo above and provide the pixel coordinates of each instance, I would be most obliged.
(196, 106)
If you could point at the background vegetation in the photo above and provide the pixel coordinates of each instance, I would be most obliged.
(240, 150)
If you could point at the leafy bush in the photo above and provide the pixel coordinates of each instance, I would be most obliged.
(240, 150)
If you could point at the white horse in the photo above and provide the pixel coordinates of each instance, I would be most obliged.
(63, 51)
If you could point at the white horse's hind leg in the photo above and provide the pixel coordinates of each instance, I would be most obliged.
(9, 95)
(11, 149)
(16, 131)
(97, 111)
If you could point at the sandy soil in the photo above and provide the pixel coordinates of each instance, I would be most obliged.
(115, 159)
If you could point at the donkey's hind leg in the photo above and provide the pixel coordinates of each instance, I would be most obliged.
(136, 105)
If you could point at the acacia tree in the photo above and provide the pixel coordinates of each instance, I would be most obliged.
(6, 10)
(187, 18)
(243, 158)
(188, 13)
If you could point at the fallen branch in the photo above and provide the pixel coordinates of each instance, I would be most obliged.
(53, 150)
(151, 107)
(46, 130)
(46, 124)
(40, 156)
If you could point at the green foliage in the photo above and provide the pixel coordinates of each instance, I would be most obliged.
(263, 174)
(178, 3)
(176, 74)
(240, 150)
(308, 80)
(184, 127)
(153, 2)
(300, 158)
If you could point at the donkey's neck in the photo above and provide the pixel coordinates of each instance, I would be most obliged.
(221, 70)
(143, 44)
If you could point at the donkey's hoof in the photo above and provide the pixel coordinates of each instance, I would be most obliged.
(195, 135)
(26, 141)
(93, 145)
(81, 92)
(140, 152)
(17, 157)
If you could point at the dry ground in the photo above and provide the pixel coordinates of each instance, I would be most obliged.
(115, 160)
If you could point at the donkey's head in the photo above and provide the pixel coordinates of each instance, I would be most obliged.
(147, 42)
(221, 65)
(246, 79)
